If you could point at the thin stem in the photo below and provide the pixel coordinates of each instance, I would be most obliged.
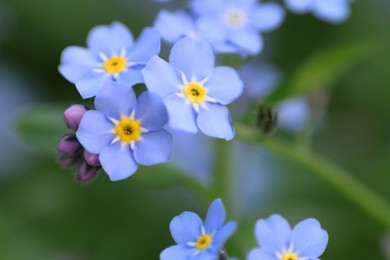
(354, 190)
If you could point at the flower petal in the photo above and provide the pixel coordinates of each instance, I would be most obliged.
(109, 38)
(309, 239)
(181, 114)
(131, 76)
(215, 216)
(224, 85)
(150, 110)
(273, 234)
(223, 234)
(160, 77)
(117, 161)
(214, 120)
(334, 11)
(211, 29)
(91, 84)
(173, 25)
(153, 148)
(267, 17)
(257, 254)
(115, 100)
(299, 6)
(187, 227)
(202, 7)
(249, 41)
(147, 46)
(94, 131)
(194, 58)
(176, 252)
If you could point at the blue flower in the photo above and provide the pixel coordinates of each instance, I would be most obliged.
(278, 242)
(194, 91)
(236, 23)
(333, 11)
(198, 240)
(293, 114)
(111, 56)
(124, 131)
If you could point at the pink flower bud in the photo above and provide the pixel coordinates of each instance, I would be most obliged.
(69, 145)
(86, 172)
(91, 158)
(73, 115)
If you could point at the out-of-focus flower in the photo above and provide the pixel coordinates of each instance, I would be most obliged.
(124, 131)
(333, 11)
(111, 56)
(197, 239)
(293, 114)
(278, 242)
(195, 93)
(234, 25)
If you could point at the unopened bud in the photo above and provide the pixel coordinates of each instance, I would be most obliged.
(86, 172)
(73, 115)
(69, 144)
(65, 160)
(91, 159)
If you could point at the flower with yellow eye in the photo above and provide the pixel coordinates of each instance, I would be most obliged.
(111, 56)
(125, 132)
(198, 240)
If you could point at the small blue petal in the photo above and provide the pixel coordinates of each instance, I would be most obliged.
(147, 46)
(293, 114)
(334, 11)
(249, 41)
(214, 120)
(309, 239)
(160, 77)
(130, 77)
(153, 148)
(187, 227)
(202, 7)
(300, 6)
(273, 234)
(267, 17)
(224, 85)
(181, 114)
(109, 38)
(223, 234)
(215, 216)
(176, 252)
(258, 254)
(204, 255)
(91, 84)
(117, 161)
(211, 28)
(150, 110)
(94, 131)
(115, 100)
(193, 57)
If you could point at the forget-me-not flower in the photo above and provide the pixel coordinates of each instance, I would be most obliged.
(124, 131)
(333, 11)
(197, 239)
(111, 56)
(306, 241)
(195, 93)
(236, 23)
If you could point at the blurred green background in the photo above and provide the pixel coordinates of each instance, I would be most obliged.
(46, 214)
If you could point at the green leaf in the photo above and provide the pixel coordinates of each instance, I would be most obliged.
(321, 70)
(42, 127)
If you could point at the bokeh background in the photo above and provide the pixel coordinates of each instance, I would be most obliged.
(46, 214)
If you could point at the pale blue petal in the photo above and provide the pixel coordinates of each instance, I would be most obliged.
(223, 234)
(91, 84)
(224, 85)
(258, 254)
(115, 100)
(334, 11)
(131, 76)
(150, 111)
(273, 234)
(203, 7)
(309, 239)
(249, 41)
(181, 114)
(176, 252)
(204, 255)
(267, 17)
(94, 131)
(215, 216)
(187, 227)
(173, 25)
(193, 57)
(147, 46)
(154, 147)
(214, 120)
(211, 28)
(293, 114)
(109, 38)
(300, 6)
(117, 161)
(160, 77)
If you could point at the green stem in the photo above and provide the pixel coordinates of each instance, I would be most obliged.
(357, 192)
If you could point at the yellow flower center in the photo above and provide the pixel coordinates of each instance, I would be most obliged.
(128, 130)
(195, 93)
(235, 17)
(115, 65)
(289, 256)
(203, 242)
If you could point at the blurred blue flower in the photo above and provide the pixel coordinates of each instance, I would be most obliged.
(234, 25)
(124, 131)
(333, 11)
(278, 242)
(111, 56)
(195, 93)
(198, 240)
(293, 114)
